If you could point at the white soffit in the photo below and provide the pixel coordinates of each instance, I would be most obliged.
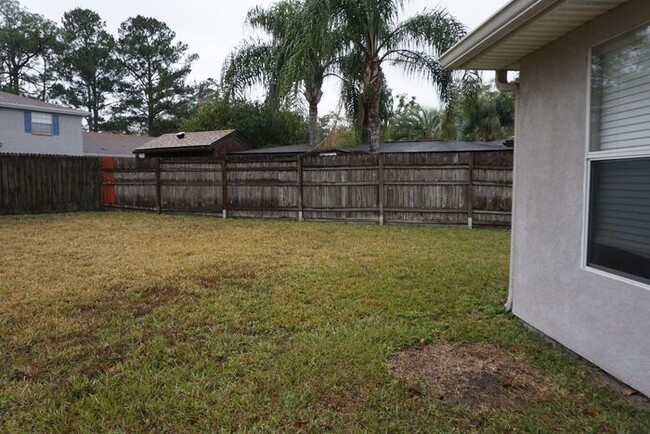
(521, 28)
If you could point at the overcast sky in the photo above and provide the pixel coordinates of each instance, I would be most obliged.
(213, 28)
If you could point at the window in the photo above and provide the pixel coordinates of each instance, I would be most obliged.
(45, 124)
(619, 157)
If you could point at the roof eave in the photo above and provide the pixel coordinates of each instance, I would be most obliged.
(174, 149)
(62, 110)
(511, 17)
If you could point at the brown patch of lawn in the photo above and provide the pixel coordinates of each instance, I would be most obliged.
(481, 376)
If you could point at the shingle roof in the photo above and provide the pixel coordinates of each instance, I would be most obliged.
(289, 149)
(433, 146)
(390, 147)
(203, 139)
(110, 144)
(9, 100)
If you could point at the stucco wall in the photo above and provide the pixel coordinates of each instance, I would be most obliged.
(14, 138)
(603, 319)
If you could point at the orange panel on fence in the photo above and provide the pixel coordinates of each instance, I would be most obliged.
(108, 180)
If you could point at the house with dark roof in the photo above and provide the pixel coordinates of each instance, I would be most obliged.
(580, 256)
(112, 144)
(202, 145)
(31, 126)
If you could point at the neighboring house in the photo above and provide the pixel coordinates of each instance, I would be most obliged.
(580, 268)
(202, 145)
(385, 148)
(31, 126)
(112, 144)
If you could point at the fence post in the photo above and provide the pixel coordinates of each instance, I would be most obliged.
(470, 191)
(158, 187)
(380, 179)
(224, 187)
(301, 216)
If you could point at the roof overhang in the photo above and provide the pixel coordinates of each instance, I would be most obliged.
(35, 108)
(169, 149)
(520, 28)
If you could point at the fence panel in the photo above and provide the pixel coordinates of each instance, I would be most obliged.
(344, 188)
(492, 188)
(42, 183)
(129, 183)
(190, 186)
(426, 188)
(262, 189)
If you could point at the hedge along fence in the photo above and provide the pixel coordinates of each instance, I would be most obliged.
(425, 188)
(45, 183)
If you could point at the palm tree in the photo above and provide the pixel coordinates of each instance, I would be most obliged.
(377, 36)
(416, 123)
(297, 58)
(477, 112)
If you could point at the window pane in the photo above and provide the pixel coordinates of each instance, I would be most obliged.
(41, 128)
(41, 123)
(620, 94)
(42, 118)
(619, 230)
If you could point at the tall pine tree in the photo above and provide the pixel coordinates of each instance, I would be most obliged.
(87, 66)
(156, 67)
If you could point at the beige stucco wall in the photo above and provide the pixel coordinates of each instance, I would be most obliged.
(603, 319)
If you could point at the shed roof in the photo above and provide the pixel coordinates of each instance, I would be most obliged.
(112, 144)
(521, 28)
(433, 146)
(195, 140)
(390, 148)
(9, 100)
(302, 148)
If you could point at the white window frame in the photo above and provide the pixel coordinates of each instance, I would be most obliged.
(610, 154)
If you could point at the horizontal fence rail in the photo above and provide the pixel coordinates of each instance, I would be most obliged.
(473, 189)
(32, 184)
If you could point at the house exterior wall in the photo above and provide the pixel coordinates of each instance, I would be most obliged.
(14, 139)
(602, 318)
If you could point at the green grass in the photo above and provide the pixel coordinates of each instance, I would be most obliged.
(139, 322)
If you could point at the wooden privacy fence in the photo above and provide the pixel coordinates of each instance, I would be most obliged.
(43, 183)
(425, 188)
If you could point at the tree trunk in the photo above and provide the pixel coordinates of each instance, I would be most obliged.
(313, 125)
(372, 90)
(374, 125)
(313, 95)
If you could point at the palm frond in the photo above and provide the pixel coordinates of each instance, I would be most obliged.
(247, 66)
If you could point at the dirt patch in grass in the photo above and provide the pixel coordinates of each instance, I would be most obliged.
(116, 300)
(478, 375)
(345, 401)
(153, 298)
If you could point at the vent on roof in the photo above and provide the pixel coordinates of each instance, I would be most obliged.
(180, 135)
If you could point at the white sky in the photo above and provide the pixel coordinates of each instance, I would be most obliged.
(213, 28)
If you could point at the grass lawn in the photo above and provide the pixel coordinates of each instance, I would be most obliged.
(140, 322)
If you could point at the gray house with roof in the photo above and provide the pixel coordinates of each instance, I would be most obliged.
(580, 259)
(31, 126)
